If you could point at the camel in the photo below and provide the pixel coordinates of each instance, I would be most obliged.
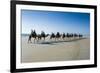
(74, 35)
(80, 35)
(32, 35)
(43, 35)
(63, 36)
(37, 36)
(57, 36)
(52, 36)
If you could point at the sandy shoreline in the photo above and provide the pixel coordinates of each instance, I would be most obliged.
(62, 51)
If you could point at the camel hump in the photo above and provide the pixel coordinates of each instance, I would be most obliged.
(33, 32)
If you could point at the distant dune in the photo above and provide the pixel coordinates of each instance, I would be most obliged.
(51, 50)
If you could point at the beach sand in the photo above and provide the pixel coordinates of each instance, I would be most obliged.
(49, 50)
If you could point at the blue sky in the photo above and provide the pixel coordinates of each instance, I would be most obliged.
(54, 21)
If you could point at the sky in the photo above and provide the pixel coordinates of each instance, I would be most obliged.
(55, 21)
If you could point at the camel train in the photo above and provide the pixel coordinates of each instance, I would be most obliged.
(56, 36)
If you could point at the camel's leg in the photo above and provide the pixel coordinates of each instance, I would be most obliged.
(63, 38)
(34, 40)
(38, 39)
(44, 38)
(50, 38)
(29, 40)
(55, 39)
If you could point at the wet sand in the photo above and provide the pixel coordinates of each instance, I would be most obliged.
(51, 50)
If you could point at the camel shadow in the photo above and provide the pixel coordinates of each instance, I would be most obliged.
(47, 43)
(59, 41)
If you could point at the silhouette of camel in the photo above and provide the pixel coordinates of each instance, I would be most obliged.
(52, 36)
(37, 36)
(80, 35)
(43, 35)
(75, 35)
(58, 35)
(32, 35)
(63, 36)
